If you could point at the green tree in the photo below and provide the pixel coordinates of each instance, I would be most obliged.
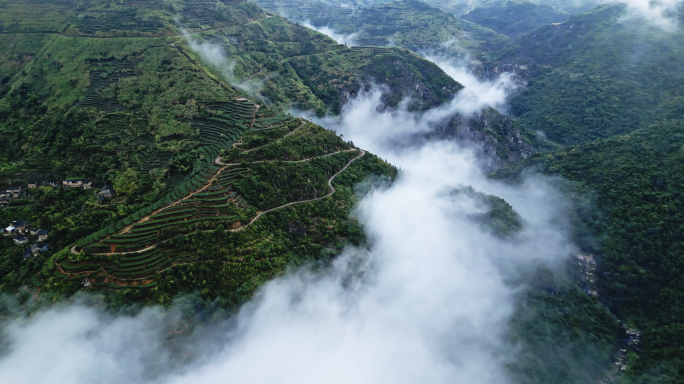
(127, 182)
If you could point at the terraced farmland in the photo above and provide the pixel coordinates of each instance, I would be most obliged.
(103, 74)
(105, 21)
(130, 251)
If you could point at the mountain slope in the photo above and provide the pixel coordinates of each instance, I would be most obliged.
(152, 115)
(515, 18)
(636, 182)
(595, 76)
(460, 7)
(422, 28)
(411, 24)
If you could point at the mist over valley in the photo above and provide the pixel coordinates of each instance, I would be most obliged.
(293, 191)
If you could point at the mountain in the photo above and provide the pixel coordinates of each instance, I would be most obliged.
(154, 149)
(461, 7)
(596, 75)
(515, 18)
(419, 27)
(129, 95)
(605, 85)
(632, 225)
(411, 24)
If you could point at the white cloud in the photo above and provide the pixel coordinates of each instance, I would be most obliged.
(661, 13)
(362, 122)
(213, 54)
(477, 94)
(340, 38)
(77, 344)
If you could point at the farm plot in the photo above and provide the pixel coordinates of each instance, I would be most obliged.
(103, 74)
(154, 160)
(96, 22)
(203, 200)
(133, 270)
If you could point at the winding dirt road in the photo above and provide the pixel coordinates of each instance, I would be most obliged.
(332, 191)
(220, 162)
(275, 142)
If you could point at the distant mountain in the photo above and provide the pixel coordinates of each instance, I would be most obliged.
(515, 18)
(596, 75)
(460, 7)
(411, 24)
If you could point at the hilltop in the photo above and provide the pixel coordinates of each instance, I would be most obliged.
(411, 24)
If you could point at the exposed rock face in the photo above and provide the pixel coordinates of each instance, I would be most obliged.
(408, 75)
(500, 138)
(587, 266)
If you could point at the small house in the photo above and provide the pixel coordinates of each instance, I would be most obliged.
(33, 184)
(52, 183)
(13, 191)
(35, 248)
(21, 225)
(9, 230)
(45, 248)
(19, 239)
(106, 192)
(42, 234)
(28, 253)
(77, 183)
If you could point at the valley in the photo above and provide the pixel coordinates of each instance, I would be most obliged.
(419, 191)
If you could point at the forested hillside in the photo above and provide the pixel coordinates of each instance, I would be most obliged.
(515, 18)
(410, 24)
(635, 225)
(595, 75)
(461, 7)
(419, 27)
